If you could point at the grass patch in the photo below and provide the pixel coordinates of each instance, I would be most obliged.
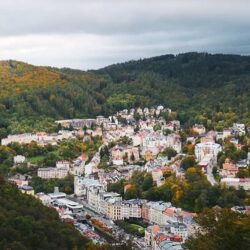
(140, 229)
(36, 159)
(131, 228)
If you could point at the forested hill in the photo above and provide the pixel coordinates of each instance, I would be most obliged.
(191, 69)
(205, 88)
(26, 224)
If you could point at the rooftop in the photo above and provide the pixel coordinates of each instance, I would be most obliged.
(26, 188)
(170, 245)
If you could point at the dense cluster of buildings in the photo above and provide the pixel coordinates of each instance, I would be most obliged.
(148, 135)
(114, 207)
(207, 150)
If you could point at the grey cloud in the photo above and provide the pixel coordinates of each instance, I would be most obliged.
(114, 16)
(93, 33)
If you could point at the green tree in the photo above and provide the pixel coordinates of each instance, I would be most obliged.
(243, 173)
(51, 159)
(132, 193)
(220, 229)
(188, 162)
(157, 127)
(147, 182)
(169, 152)
(117, 187)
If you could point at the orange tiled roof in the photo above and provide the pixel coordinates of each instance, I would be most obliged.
(169, 211)
(155, 229)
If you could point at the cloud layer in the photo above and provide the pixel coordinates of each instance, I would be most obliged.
(88, 34)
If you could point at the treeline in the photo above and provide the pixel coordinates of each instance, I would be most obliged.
(202, 88)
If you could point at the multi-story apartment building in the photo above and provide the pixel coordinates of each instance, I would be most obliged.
(114, 208)
(52, 173)
(178, 228)
(132, 208)
(83, 184)
(156, 210)
(103, 200)
(203, 149)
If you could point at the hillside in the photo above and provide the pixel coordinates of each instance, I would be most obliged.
(26, 224)
(211, 89)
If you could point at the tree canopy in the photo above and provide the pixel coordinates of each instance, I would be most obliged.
(220, 229)
(32, 97)
(26, 224)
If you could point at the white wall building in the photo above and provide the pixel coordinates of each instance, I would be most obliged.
(132, 208)
(237, 183)
(63, 164)
(19, 159)
(239, 128)
(52, 173)
(156, 212)
(83, 184)
(180, 229)
(205, 148)
(20, 138)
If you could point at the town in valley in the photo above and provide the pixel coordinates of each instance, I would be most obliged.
(129, 175)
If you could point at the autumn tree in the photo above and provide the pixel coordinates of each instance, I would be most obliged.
(220, 229)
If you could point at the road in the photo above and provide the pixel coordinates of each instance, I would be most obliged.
(210, 176)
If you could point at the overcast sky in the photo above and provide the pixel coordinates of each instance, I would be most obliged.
(88, 34)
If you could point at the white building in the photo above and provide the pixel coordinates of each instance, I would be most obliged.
(63, 164)
(88, 170)
(93, 196)
(83, 184)
(56, 194)
(52, 173)
(19, 159)
(208, 161)
(205, 148)
(239, 128)
(103, 200)
(237, 183)
(180, 229)
(77, 169)
(114, 209)
(156, 212)
(19, 138)
(74, 207)
(132, 208)
(119, 152)
(99, 200)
